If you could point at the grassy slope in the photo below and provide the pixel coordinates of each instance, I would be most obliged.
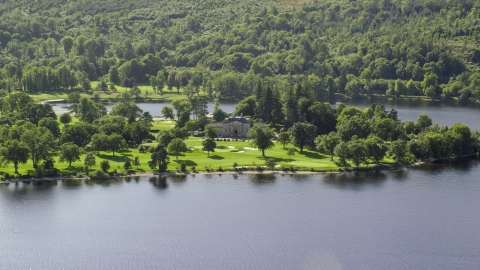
(146, 93)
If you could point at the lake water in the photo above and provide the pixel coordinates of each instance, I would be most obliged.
(417, 218)
(442, 113)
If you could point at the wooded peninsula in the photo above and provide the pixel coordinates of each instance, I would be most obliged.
(285, 62)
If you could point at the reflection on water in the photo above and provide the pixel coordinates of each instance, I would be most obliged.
(262, 178)
(159, 181)
(355, 180)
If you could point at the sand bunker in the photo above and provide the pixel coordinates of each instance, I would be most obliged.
(250, 148)
(231, 147)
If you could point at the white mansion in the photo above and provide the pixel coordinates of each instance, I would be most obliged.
(233, 127)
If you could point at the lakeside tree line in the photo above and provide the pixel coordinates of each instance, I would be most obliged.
(368, 136)
(354, 48)
(31, 131)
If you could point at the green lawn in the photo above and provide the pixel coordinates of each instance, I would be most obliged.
(225, 155)
(162, 125)
(146, 93)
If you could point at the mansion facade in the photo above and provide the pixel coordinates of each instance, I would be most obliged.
(233, 127)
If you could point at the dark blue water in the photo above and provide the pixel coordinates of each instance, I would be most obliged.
(418, 218)
(442, 113)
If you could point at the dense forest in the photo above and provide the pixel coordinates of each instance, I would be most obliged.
(355, 49)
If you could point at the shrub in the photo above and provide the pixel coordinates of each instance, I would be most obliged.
(183, 166)
(6, 175)
(141, 148)
(235, 164)
(105, 165)
(270, 163)
(99, 175)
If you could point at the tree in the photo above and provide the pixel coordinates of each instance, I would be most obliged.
(88, 111)
(302, 134)
(388, 129)
(89, 161)
(167, 113)
(76, 134)
(99, 142)
(358, 151)
(65, 118)
(177, 146)
(355, 125)
(115, 143)
(219, 115)
(136, 162)
(209, 145)
(41, 143)
(398, 150)
(211, 132)
(113, 75)
(283, 138)
(127, 165)
(129, 110)
(291, 152)
(376, 148)
(147, 118)
(327, 143)
(69, 152)
(137, 131)
(270, 163)
(261, 137)
(105, 165)
(51, 124)
(67, 43)
(429, 84)
(423, 121)
(159, 158)
(16, 152)
(342, 152)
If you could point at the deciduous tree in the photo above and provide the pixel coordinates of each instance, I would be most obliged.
(16, 152)
(209, 145)
(69, 152)
(177, 146)
(261, 137)
(302, 134)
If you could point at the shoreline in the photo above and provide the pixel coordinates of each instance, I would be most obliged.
(238, 172)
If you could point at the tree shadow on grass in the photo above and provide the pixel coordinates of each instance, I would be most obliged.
(216, 157)
(276, 159)
(314, 155)
(116, 158)
(74, 169)
(186, 161)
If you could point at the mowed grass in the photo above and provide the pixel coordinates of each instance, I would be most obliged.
(229, 152)
(162, 125)
(146, 93)
(225, 155)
